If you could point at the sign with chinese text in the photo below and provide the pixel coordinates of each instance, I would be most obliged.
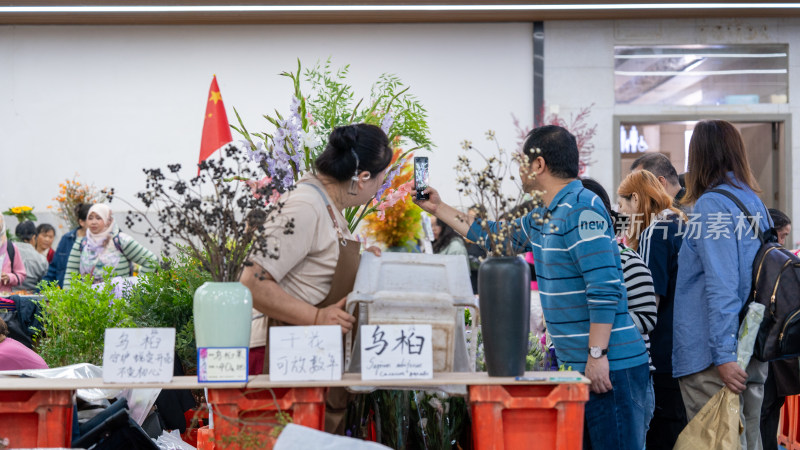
(305, 353)
(222, 364)
(395, 352)
(139, 355)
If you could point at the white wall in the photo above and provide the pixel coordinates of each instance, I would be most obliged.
(105, 102)
(579, 64)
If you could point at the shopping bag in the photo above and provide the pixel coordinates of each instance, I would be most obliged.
(718, 424)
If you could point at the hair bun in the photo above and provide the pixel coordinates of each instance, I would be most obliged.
(344, 138)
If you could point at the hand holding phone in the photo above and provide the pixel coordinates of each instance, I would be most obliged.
(421, 176)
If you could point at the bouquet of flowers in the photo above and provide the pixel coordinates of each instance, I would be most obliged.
(72, 192)
(216, 217)
(22, 213)
(290, 150)
(394, 220)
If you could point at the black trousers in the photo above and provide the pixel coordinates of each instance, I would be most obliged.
(669, 417)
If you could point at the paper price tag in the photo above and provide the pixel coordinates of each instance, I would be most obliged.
(138, 355)
(305, 353)
(396, 352)
(222, 364)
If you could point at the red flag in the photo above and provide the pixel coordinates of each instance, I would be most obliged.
(216, 132)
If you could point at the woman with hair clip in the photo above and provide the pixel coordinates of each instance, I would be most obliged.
(308, 281)
(715, 268)
(654, 232)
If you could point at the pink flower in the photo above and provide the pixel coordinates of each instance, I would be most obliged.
(311, 120)
(256, 186)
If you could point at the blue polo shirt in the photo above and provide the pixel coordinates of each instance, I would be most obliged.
(580, 277)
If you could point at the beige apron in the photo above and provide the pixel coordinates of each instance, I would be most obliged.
(344, 277)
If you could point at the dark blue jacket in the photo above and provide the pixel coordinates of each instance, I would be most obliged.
(58, 266)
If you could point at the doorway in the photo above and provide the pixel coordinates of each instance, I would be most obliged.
(765, 142)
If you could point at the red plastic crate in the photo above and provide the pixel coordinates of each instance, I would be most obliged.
(205, 438)
(36, 418)
(243, 413)
(514, 417)
(785, 427)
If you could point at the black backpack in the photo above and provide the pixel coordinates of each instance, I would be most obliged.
(776, 283)
(11, 251)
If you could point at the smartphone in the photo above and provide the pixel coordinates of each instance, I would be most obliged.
(421, 176)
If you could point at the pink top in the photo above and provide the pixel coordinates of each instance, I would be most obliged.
(18, 275)
(529, 260)
(15, 356)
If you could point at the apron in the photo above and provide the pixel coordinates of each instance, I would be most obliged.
(344, 275)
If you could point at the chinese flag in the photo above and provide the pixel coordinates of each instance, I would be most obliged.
(216, 132)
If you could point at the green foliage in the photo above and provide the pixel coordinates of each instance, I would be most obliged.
(75, 320)
(331, 96)
(165, 299)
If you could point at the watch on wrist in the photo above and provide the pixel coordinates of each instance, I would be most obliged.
(597, 352)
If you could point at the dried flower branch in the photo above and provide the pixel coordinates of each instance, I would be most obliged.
(485, 187)
(219, 219)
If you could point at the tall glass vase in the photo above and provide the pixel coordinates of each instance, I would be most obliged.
(222, 315)
(504, 293)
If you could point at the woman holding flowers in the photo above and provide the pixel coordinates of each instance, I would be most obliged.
(105, 246)
(313, 269)
(12, 269)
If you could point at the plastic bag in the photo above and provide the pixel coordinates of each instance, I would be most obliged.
(748, 333)
(718, 424)
(296, 436)
(172, 441)
(80, 371)
(140, 402)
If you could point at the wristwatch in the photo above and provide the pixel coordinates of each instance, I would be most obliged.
(597, 352)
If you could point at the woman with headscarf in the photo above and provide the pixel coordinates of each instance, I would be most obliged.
(105, 246)
(12, 269)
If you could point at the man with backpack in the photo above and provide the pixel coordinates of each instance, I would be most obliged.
(715, 269)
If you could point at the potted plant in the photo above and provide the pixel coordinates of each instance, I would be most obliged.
(217, 218)
(503, 277)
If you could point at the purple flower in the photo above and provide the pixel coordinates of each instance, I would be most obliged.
(388, 121)
(295, 106)
(389, 177)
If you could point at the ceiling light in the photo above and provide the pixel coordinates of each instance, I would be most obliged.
(395, 8)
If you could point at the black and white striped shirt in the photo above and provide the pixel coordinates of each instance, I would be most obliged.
(641, 295)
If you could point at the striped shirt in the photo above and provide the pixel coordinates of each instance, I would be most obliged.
(580, 277)
(641, 296)
(132, 252)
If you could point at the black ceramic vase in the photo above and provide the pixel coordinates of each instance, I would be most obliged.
(504, 293)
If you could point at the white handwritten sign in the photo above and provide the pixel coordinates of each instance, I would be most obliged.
(222, 364)
(394, 352)
(305, 353)
(138, 355)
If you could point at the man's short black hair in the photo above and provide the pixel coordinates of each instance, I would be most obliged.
(558, 148)
(658, 164)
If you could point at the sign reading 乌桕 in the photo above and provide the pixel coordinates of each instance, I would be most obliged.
(312, 353)
(138, 355)
(394, 352)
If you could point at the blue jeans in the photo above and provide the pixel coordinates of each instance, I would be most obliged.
(616, 419)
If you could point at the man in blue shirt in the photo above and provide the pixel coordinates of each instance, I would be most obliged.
(581, 286)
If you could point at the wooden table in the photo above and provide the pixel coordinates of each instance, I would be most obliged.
(506, 413)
